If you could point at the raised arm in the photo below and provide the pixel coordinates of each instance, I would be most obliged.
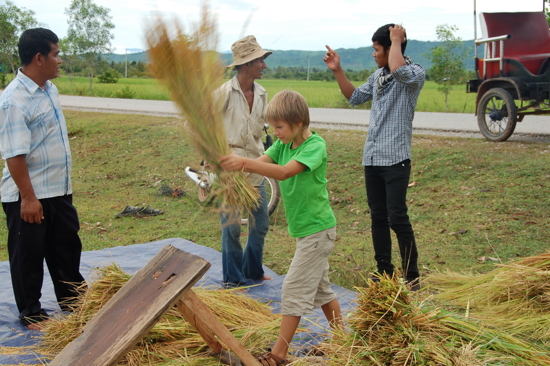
(332, 60)
(263, 165)
(397, 37)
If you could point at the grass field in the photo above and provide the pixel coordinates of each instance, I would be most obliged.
(319, 94)
(470, 200)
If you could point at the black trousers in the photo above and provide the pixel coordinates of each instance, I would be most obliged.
(56, 241)
(387, 198)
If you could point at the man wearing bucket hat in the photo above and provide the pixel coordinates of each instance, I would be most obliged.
(244, 104)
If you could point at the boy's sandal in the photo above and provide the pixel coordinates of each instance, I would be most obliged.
(148, 211)
(269, 359)
(129, 211)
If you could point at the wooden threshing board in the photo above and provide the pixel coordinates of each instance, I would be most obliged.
(139, 304)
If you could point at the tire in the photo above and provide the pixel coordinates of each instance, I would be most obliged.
(497, 115)
(273, 193)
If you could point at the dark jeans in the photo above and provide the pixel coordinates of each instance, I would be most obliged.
(55, 240)
(387, 199)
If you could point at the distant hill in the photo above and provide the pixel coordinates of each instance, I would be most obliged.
(352, 58)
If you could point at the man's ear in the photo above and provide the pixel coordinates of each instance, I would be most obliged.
(38, 58)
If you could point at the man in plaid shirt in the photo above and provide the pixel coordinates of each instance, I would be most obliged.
(394, 90)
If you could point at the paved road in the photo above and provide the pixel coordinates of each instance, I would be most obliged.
(460, 124)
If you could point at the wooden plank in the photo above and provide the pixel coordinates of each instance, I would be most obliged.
(201, 311)
(199, 325)
(206, 334)
(134, 309)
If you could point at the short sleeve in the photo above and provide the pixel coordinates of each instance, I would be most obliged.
(312, 154)
(15, 136)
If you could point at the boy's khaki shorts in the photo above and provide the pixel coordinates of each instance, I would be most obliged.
(306, 285)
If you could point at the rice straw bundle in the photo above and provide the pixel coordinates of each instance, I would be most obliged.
(390, 328)
(190, 67)
(172, 338)
(514, 297)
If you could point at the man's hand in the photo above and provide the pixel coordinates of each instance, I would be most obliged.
(232, 162)
(398, 34)
(332, 59)
(31, 210)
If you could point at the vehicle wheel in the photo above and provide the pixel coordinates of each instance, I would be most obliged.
(273, 194)
(497, 115)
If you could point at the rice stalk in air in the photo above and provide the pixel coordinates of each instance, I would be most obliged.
(189, 66)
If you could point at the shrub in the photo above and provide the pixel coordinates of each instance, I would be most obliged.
(81, 90)
(125, 93)
(109, 77)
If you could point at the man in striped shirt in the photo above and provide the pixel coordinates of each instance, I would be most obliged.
(394, 90)
(36, 186)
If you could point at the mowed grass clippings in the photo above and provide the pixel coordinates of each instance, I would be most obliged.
(172, 339)
(471, 202)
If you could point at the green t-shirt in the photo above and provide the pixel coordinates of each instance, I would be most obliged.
(305, 195)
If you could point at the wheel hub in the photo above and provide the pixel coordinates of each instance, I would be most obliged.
(496, 116)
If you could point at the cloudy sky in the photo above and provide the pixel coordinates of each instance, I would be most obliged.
(289, 24)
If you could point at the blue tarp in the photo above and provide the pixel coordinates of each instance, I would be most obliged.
(131, 258)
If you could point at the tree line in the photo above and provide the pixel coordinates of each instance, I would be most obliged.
(89, 38)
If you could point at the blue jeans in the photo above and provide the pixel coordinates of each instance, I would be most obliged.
(238, 265)
(387, 197)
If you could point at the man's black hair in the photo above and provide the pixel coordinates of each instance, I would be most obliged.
(33, 41)
(382, 37)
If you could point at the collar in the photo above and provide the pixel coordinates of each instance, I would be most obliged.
(256, 87)
(29, 83)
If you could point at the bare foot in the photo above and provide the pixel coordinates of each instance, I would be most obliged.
(266, 278)
(239, 289)
(37, 326)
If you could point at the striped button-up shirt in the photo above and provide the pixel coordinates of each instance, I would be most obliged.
(32, 124)
(392, 112)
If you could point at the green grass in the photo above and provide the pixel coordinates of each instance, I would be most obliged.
(319, 94)
(470, 198)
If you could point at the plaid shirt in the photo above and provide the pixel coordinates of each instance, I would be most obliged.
(390, 129)
(32, 124)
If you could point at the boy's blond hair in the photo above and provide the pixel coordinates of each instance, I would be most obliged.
(288, 106)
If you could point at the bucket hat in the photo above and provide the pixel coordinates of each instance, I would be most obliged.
(247, 49)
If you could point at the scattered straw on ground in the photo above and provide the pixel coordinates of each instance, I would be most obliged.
(172, 338)
(514, 297)
(390, 327)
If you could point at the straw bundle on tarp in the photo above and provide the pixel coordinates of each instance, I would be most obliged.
(172, 338)
(514, 297)
(190, 67)
(389, 327)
